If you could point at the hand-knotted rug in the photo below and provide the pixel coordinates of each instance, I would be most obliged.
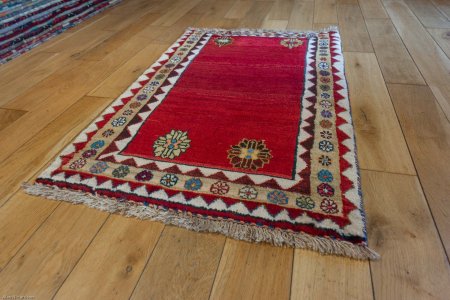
(243, 132)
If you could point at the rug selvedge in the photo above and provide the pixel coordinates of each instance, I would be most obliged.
(319, 208)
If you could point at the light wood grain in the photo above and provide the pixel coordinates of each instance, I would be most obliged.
(380, 141)
(325, 11)
(428, 56)
(9, 116)
(393, 57)
(442, 37)
(239, 9)
(443, 6)
(302, 15)
(175, 12)
(353, 29)
(240, 262)
(118, 81)
(115, 258)
(21, 216)
(22, 64)
(256, 14)
(400, 228)
(372, 9)
(33, 155)
(315, 276)
(427, 133)
(183, 258)
(43, 263)
(275, 24)
(428, 14)
(281, 10)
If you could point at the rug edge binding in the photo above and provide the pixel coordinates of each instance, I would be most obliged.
(211, 30)
(230, 228)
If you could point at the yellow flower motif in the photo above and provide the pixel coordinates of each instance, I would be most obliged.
(172, 144)
(291, 43)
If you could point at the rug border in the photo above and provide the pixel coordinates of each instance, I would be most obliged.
(231, 228)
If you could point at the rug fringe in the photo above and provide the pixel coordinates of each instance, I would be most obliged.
(236, 230)
(261, 30)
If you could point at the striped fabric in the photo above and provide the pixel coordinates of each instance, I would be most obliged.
(24, 24)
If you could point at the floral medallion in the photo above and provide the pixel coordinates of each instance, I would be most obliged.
(249, 154)
(172, 144)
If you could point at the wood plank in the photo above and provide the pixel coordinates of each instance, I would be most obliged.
(34, 154)
(78, 42)
(239, 9)
(428, 56)
(59, 91)
(9, 116)
(44, 262)
(25, 82)
(115, 258)
(213, 14)
(175, 12)
(379, 138)
(443, 6)
(317, 276)
(172, 33)
(108, 45)
(256, 14)
(325, 11)
(253, 271)
(353, 29)
(395, 62)
(442, 37)
(118, 81)
(21, 217)
(281, 10)
(22, 64)
(275, 24)
(183, 258)
(372, 9)
(413, 264)
(428, 14)
(427, 133)
(302, 15)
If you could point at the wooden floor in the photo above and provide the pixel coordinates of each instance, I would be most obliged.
(398, 68)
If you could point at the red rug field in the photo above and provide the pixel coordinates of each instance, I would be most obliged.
(247, 133)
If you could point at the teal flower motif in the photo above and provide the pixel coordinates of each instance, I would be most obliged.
(193, 184)
(325, 176)
(98, 144)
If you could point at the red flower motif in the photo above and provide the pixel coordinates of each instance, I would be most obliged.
(220, 188)
(328, 206)
(325, 190)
